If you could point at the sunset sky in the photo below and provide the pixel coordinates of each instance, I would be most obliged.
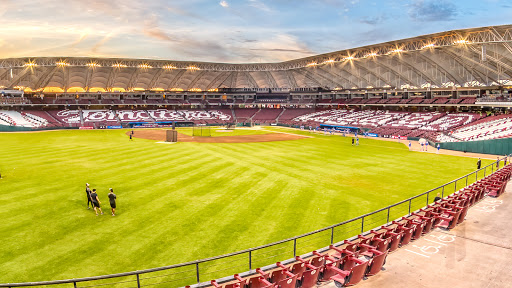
(234, 31)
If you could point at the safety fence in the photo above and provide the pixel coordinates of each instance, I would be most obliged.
(201, 271)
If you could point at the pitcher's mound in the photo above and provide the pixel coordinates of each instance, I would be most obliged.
(160, 136)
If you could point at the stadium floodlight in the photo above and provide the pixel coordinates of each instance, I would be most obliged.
(213, 90)
(193, 68)
(30, 64)
(431, 45)
(177, 89)
(145, 66)
(461, 41)
(349, 58)
(370, 55)
(119, 65)
(330, 61)
(62, 64)
(195, 90)
(311, 64)
(169, 66)
(397, 51)
(93, 65)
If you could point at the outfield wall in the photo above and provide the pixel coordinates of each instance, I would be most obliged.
(5, 128)
(501, 146)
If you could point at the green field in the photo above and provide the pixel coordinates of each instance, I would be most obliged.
(187, 201)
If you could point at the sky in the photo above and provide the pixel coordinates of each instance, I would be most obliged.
(227, 31)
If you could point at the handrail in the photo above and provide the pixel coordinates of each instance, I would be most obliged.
(196, 262)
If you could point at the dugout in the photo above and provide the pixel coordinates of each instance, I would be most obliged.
(341, 128)
(160, 124)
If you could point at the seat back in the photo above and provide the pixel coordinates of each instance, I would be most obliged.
(258, 282)
(287, 282)
(318, 261)
(309, 278)
(394, 241)
(376, 264)
(328, 271)
(357, 275)
(418, 231)
(278, 275)
(406, 238)
(298, 269)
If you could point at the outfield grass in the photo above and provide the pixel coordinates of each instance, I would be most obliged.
(187, 201)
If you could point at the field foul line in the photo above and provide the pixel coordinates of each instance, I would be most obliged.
(305, 136)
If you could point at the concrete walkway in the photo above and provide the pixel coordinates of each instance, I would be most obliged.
(476, 253)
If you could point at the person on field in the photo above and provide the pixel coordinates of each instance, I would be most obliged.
(497, 163)
(96, 202)
(88, 193)
(353, 141)
(112, 199)
(438, 147)
(410, 144)
(357, 141)
(422, 146)
(131, 135)
(478, 164)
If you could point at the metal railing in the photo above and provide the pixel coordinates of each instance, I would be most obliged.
(246, 260)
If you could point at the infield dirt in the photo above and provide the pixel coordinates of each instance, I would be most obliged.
(159, 135)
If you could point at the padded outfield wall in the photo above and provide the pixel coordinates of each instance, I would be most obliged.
(495, 146)
(5, 128)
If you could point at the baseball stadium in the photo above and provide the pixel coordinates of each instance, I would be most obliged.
(384, 165)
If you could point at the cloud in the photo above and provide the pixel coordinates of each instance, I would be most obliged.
(259, 5)
(153, 30)
(373, 20)
(185, 13)
(432, 10)
(100, 43)
(224, 4)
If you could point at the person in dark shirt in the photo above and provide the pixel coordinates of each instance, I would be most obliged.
(112, 198)
(131, 137)
(88, 193)
(96, 202)
(352, 141)
(498, 163)
(478, 164)
(438, 197)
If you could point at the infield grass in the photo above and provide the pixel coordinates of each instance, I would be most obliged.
(188, 201)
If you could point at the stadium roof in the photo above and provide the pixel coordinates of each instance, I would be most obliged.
(469, 57)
